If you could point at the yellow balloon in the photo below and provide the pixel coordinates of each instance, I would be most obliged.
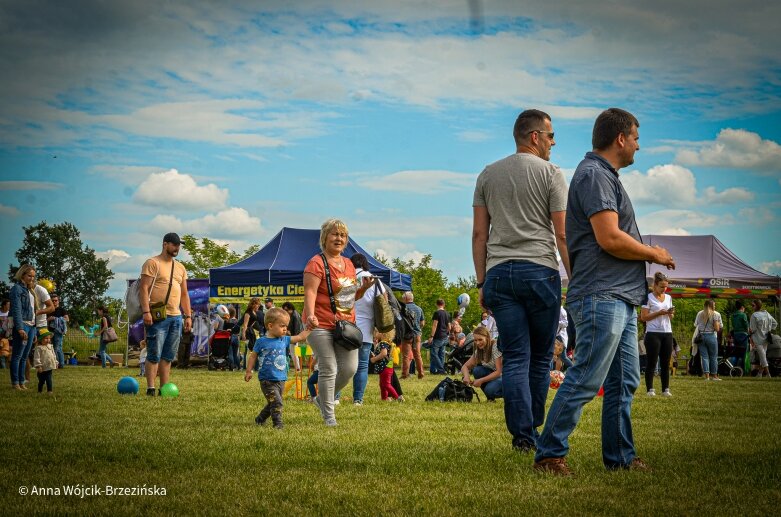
(46, 284)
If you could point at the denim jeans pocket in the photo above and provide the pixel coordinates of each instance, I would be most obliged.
(546, 291)
(575, 309)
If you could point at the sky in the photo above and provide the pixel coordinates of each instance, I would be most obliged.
(230, 120)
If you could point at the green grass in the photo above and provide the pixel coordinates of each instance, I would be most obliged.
(714, 448)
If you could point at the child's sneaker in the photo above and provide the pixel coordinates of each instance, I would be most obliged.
(666, 393)
(336, 402)
(279, 426)
(651, 393)
(400, 399)
(259, 421)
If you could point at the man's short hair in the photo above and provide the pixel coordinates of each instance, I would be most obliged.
(528, 121)
(288, 306)
(609, 124)
(275, 315)
(440, 302)
(739, 305)
(408, 297)
(54, 295)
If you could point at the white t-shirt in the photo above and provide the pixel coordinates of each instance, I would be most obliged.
(660, 323)
(41, 297)
(364, 307)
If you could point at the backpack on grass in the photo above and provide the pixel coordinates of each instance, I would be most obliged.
(449, 390)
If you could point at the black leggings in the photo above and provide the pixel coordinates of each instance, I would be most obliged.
(658, 345)
(45, 378)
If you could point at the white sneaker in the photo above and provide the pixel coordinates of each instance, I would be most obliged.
(715, 378)
(358, 403)
(666, 393)
(651, 393)
(336, 402)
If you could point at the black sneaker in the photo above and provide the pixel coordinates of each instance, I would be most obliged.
(150, 392)
(523, 446)
(259, 421)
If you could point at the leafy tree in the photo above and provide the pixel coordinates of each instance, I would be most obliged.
(5, 290)
(57, 253)
(430, 284)
(206, 253)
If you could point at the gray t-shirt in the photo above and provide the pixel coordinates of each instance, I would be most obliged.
(595, 187)
(520, 192)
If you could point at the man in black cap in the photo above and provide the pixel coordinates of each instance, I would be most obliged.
(166, 305)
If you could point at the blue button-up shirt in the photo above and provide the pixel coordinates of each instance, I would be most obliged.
(595, 187)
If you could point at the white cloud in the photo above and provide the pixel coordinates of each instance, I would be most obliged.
(9, 211)
(114, 257)
(173, 190)
(474, 136)
(391, 248)
(756, 216)
(675, 186)
(680, 222)
(415, 181)
(771, 268)
(388, 225)
(730, 195)
(736, 149)
(665, 185)
(232, 222)
(30, 185)
(126, 174)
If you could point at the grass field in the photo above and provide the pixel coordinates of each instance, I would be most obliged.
(714, 448)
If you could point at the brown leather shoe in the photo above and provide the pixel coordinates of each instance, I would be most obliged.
(557, 466)
(639, 465)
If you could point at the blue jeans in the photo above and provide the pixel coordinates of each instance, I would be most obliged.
(438, 355)
(162, 339)
(361, 376)
(524, 298)
(57, 344)
(233, 352)
(606, 354)
(709, 352)
(493, 388)
(103, 355)
(20, 352)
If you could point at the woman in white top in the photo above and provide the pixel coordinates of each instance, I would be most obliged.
(657, 314)
(708, 323)
(364, 319)
(760, 327)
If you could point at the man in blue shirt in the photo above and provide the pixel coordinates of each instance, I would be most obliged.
(607, 258)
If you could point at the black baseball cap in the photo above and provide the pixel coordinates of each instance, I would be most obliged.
(269, 299)
(173, 238)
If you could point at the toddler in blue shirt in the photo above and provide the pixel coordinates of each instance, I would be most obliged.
(272, 349)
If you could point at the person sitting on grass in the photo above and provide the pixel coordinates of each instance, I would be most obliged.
(45, 362)
(560, 359)
(383, 358)
(272, 349)
(485, 364)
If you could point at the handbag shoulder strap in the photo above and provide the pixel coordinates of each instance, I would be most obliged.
(328, 283)
(170, 281)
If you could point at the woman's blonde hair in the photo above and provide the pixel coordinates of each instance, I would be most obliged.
(22, 271)
(386, 336)
(487, 353)
(254, 302)
(329, 226)
(709, 307)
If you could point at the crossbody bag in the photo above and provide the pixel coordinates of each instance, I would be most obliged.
(346, 334)
(158, 309)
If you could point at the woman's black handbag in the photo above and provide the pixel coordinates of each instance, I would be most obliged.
(346, 334)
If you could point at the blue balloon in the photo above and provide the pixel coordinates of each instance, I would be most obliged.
(127, 386)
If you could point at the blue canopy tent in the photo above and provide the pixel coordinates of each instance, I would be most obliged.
(277, 270)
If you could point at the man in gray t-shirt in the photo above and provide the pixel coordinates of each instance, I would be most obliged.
(519, 209)
(607, 284)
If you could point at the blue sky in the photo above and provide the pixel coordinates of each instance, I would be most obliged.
(230, 120)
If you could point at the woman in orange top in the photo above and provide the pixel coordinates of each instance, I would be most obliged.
(336, 364)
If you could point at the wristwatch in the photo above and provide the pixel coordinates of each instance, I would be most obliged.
(186, 317)
(480, 284)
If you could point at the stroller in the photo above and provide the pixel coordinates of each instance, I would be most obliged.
(219, 348)
(455, 357)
